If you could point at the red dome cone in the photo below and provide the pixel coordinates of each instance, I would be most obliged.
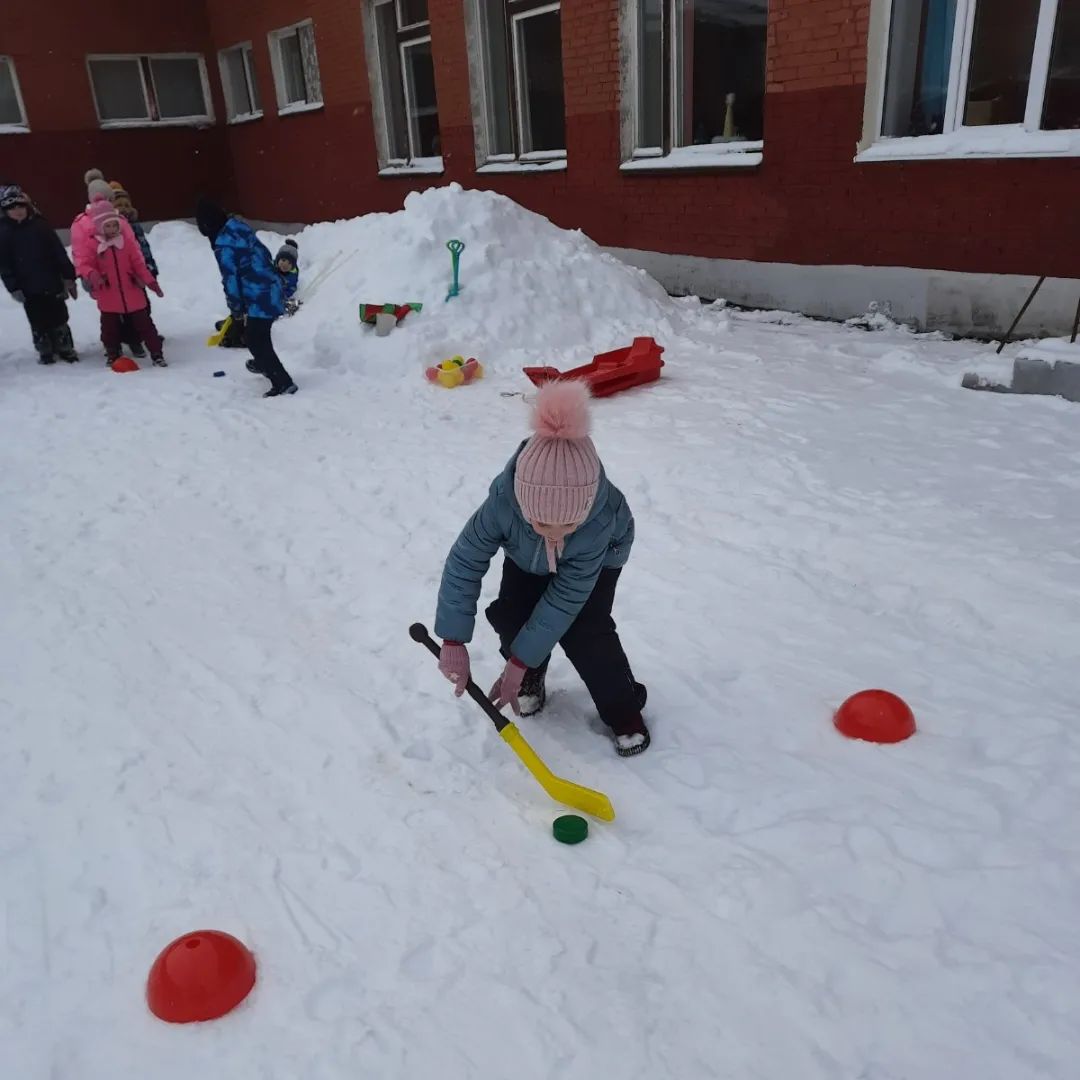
(200, 976)
(876, 716)
(123, 364)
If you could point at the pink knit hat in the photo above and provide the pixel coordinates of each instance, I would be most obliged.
(558, 471)
(102, 211)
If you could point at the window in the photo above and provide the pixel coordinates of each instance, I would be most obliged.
(698, 81)
(242, 101)
(521, 80)
(981, 76)
(296, 68)
(12, 113)
(403, 86)
(138, 90)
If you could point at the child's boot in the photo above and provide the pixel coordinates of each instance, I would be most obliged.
(631, 736)
(138, 350)
(63, 344)
(533, 694)
(43, 344)
(159, 360)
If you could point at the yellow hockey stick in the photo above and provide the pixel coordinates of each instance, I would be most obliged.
(218, 336)
(562, 791)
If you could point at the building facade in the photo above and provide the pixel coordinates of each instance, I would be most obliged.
(816, 154)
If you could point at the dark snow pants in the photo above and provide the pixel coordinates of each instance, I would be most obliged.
(591, 643)
(262, 352)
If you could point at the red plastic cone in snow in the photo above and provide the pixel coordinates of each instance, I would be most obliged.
(875, 715)
(200, 976)
(124, 364)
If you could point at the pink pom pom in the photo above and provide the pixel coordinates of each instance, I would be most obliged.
(562, 410)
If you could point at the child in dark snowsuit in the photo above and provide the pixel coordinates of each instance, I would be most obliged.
(37, 272)
(252, 286)
(287, 261)
(567, 532)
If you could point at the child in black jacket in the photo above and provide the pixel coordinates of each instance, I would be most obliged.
(37, 272)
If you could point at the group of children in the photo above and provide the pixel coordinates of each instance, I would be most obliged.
(565, 529)
(111, 257)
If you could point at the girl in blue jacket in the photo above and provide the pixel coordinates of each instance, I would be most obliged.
(252, 286)
(566, 532)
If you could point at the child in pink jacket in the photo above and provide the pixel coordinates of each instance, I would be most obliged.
(118, 277)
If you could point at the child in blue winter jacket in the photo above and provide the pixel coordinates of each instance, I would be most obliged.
(252, 286)
(287, 261)
(566, 532)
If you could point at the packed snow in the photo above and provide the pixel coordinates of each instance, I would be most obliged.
(212, 714)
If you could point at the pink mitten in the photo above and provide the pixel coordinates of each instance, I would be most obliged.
(506, 690)
(96, 280)
(156, 288)
(454, 664)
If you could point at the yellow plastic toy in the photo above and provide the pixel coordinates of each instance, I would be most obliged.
(457, 371)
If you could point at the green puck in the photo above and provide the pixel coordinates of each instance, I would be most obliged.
(570, 829)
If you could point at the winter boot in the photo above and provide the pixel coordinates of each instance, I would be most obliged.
(43, 344)
(138, 350)
(63, 344)
(533, 695)
(159, 361)
(252, 366)
(633, 742)
(277, 391)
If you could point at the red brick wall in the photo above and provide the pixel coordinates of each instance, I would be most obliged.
(163, 167)
(808, 202)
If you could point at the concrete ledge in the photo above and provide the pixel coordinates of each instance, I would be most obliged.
(975, 305)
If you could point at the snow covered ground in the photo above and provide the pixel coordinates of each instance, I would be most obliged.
(212, 716)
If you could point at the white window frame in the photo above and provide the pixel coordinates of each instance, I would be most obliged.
(747, 153)
(247, 53)
(476, 36)
(274, 39)
(402, 24)
(956, 140)
(200, 120)
(389, 165)
(23, 127)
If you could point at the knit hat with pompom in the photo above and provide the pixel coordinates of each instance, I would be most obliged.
(96, 185)
(558, 472)
(102, 211)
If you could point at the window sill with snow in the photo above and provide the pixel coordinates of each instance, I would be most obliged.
(740, 155)
(299, 107)
(14, 129)
(426, 166)
(245, 118)
(521, 165)
(188, 122)
(1006, 141)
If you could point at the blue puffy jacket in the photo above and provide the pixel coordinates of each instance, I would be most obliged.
(290, 281)
(144, 247)
(604, 540)
(251, 280)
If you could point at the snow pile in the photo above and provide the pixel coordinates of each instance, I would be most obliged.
(212, 716)
(532, 293)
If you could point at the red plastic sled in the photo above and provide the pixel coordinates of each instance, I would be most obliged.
(610, 372)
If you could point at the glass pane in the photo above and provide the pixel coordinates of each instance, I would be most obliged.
(650, 105)
(10, 113)
(920, 54)
(397, 133)
(1062, 106)
(420, 94)
(253, 83)
(720, 74)
(310, 60)
(178, 88)
(411, 12)
(500, 127)
(1001, 51)
(119, 90)
(236, 85)
(540, 82)
(292, 69)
